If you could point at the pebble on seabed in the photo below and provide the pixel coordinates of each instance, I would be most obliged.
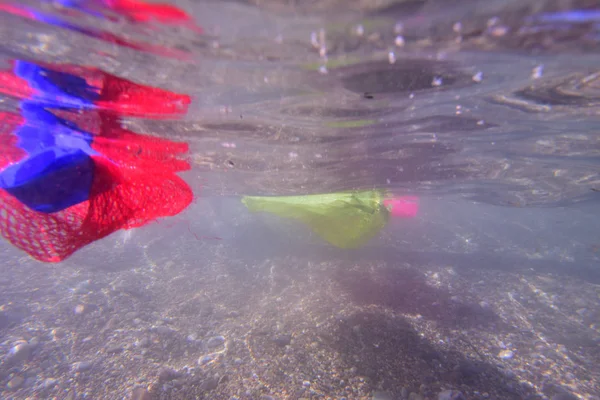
(20, 351)
(381, 396)
(451, 395)
(140, 394)
(15, 382)
(215, 341)
(81, 366)
(49, 383)
(506, 354)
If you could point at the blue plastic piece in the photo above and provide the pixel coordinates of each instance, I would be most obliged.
(57, 89)
(58, 170)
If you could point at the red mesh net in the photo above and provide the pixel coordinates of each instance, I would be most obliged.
(122, 199)
(134, 179)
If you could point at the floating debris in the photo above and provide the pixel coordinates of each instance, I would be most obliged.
(478, 77)
(537, 72)
(492, 22)
(498, 31)
(391, 57)
(399, 41)
(437, 81)
(359, 30)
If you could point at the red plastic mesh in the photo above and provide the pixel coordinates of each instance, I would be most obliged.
(123, 199)
(9, 152)
(134, 181)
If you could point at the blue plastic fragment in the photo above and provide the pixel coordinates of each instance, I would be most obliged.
(58, 170)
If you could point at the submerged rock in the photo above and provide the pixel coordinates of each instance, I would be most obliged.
(451, 395)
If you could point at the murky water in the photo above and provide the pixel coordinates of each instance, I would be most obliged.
(358, 199)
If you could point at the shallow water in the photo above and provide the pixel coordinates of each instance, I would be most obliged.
(490, 290)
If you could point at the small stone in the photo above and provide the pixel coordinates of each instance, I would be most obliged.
(564, 396)
(140, 394)
(15, 382)
(110, 325)
(451, 395)
(282, 340)
(71, 395)
(163, 330)
(45, 364)
(49, 383)
(114, 349)
(506, 354)
(404, 393)
(143, 342)
(205, 359)
(82, 287)
(168, 374)
(30, 381)
(414, 396)
(34, 342)
(306, 384)
(79, 309)
(20, 352)
(382, 396)
(57, 334)
(81, 366)
(131, 315)
(209, 384)
(215, 342)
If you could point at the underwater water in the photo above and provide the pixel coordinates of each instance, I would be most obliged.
(278, 199)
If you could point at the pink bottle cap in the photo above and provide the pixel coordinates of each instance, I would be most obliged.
(404, 206)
